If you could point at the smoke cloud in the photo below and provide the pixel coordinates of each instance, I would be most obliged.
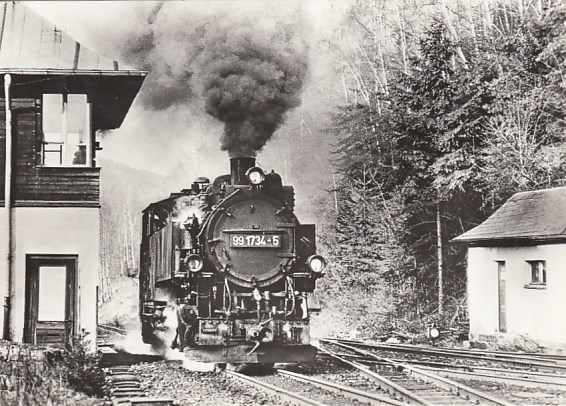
(245, 68)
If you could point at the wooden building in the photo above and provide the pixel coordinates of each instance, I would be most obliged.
(56, 95)
(517, 271)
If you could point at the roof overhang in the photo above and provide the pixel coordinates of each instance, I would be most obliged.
(111, 92)
(512, 241)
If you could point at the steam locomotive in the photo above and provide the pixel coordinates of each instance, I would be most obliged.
(233, 261)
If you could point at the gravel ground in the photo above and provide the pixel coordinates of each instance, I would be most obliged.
(337, 373)
(309, 391)
(170, 379)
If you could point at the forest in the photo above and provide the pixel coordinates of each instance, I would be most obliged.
(438, 113)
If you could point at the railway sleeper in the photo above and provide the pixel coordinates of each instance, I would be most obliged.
(125, 389)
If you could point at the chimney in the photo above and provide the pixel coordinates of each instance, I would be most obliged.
(238, 168)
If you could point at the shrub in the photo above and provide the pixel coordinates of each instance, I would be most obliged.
(32, 376)
(81, 368)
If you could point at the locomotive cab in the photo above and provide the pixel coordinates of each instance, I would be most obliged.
(234, 262)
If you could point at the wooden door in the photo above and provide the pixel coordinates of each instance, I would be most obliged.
(50, 299)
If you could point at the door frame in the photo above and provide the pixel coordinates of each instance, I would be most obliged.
(33, 263)
(502, 296)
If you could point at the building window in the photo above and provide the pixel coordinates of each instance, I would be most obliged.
(537, 274)
(66, 130)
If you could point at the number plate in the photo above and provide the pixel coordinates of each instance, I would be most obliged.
(255, 240)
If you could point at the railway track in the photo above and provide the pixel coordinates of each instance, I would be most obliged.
(415, 386)
(413, 375)
(397, 384)
(529, 370)
(108, 333)
(124, 384)
(527, 361)
(126, 390)
(299, 389)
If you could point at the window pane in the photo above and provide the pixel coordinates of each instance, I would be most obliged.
(538, 272)
(52, 154)
(51, 293)
(52, 117)
(76, 116)
(534, 272)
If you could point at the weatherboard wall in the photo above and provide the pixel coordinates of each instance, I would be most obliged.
(533, 312)
(33, 184)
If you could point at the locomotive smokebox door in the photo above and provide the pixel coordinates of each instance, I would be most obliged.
(252, 248)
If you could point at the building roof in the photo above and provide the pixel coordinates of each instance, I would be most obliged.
(43, 59)
(27, 41)
(538, 215)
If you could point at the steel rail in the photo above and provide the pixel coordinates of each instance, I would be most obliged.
(533, 382)
(113, 329)
(534, 376)
(463, 354)
(511, 354)
(346, 391)
(442, 382)
(542, 377)
(553, 359)
(285, 395)
(391, 387)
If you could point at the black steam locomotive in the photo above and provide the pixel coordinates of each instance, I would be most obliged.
(236, 265)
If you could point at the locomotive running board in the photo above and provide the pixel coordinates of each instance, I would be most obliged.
(264, 353)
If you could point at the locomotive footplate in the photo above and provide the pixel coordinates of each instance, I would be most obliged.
(266, 352)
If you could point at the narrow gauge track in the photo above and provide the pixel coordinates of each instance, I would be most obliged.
(530, 361)
(124, 386)
(480, 367)
(125, 389)
(106, 334)
(288, 386)
(413, 385)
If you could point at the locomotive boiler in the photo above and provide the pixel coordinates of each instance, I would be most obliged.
(235, 264)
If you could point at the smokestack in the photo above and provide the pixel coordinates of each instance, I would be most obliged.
(238, 168)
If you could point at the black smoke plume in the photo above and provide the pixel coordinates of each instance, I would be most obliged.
(246, 69)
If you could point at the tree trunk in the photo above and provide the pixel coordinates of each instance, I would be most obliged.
(440, 261)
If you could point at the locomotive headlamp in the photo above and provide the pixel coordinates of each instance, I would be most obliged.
(194, 263)
(255, 175)
(316, 263)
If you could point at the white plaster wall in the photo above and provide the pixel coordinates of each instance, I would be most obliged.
(3, 265)
(60, 230)
(537, 314)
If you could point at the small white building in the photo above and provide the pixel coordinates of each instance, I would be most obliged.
(517, 271)
(56, 96)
